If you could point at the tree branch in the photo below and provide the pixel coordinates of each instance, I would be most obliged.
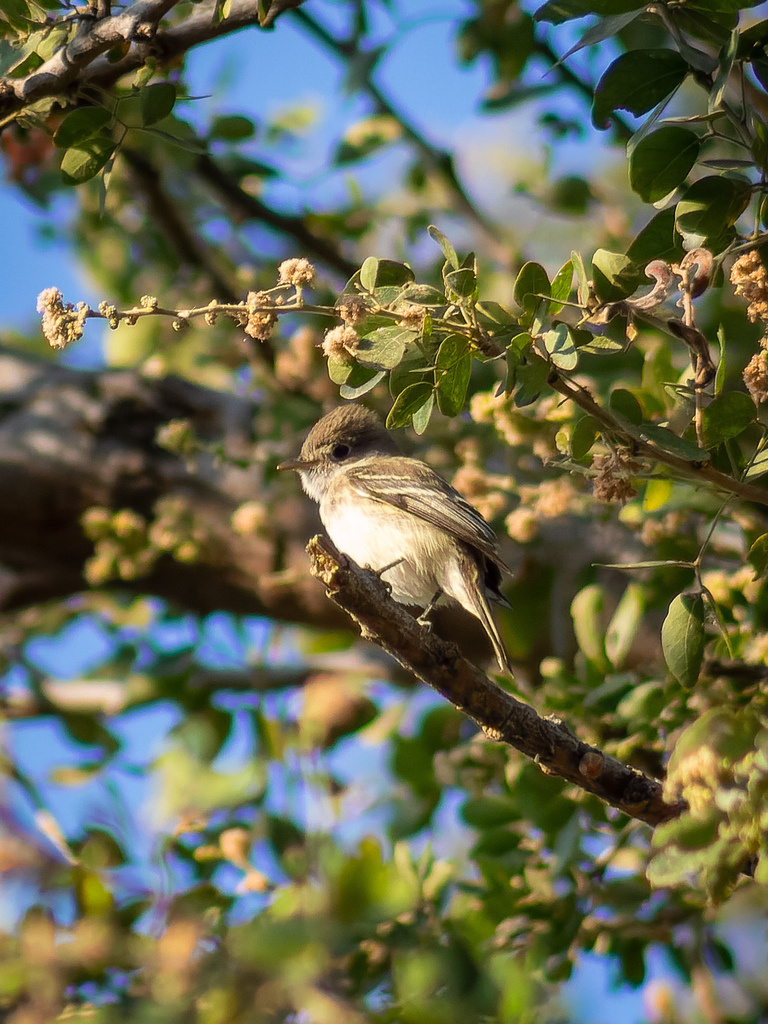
(703, 472)
(365, 597)
(240, 206)
(439, 161)
(75, 63)
(189, 248)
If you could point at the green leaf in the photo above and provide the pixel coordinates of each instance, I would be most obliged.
(422, 415)
(637, 81)
(361, 380)
(423, 295)
(408, 403)
(157, 102)
(385, 347)
(368, 272)
(661, 161)
(393, 274)
(558, 11)
(339, 368)
(30, 63)
(452, 370)
(448, 251)
(490, 811)
(531, 283)
(462, 282)
(657, 493)
(80, 163)
(615, 276)
(516, 353)
(683, 638)
(727, 416)
(758, 555)
(711, 205)
(586, 609)
(531, 378)
(80, 125)
(581, 278)
(671, 443)
(658, 240)
(560, 347)
(623, 627)
(625, 404)
(561, 287)
(583, 437)
(232, 128)
(758, 465)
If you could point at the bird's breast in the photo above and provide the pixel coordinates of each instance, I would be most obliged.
(374, 534)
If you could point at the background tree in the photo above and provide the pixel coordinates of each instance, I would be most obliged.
(197, 818)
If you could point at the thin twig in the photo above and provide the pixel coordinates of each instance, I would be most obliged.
(699, 472)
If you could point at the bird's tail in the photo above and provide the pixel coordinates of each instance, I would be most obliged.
(485, 614)
(474, 598)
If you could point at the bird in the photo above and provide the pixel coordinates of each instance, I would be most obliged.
(394, 514)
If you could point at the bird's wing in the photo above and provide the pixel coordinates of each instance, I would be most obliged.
(414, 487)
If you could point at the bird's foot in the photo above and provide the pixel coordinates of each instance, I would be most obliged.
(380, 572)
(391, 565)
(423, 619)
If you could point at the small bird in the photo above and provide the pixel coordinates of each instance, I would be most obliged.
(395, 515)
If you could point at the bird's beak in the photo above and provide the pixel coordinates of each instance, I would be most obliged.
(296, 464)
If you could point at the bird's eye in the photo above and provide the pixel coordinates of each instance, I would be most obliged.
(340, 451)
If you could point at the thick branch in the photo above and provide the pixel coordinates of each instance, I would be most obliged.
(74, 63)
(70, 440)
(439, 663)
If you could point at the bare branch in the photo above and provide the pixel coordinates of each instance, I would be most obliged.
(439, 663)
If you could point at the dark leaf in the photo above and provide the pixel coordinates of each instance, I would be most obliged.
(711, 205)
(659, 240)
(232, 128)
(408, 403)
(727, 416)
(80, 125)
(531, 379)
(614, 275)
(661, 161)
(637, 81)
(157, 102)
(625, 404)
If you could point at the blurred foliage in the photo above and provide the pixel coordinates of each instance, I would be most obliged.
(228, 820)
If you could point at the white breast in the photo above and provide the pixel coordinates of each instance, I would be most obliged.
(374, 534)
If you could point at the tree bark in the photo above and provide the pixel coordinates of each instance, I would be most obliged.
(71, 440)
